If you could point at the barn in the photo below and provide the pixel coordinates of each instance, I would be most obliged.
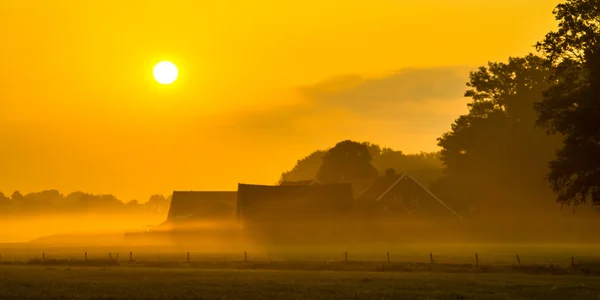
(398, 208)
(403, 195)
(294, 213)
(196, 217)
(202, 205)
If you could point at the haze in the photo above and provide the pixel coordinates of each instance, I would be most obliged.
(80, 111)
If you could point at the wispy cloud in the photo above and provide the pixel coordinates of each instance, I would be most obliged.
(410, 102)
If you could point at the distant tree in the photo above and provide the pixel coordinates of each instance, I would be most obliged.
(425, 167)
(44, 200)
(5, 203)
(17, 200)
(16, 196)
(571, 106)
(347, 161)
(157, 203)
(96, 203)
(390, 172)
(305, 169)
(497, 143)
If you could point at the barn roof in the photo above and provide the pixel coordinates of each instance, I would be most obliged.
(383, 185)
(301, 182)
(294, 199)
(201, 205)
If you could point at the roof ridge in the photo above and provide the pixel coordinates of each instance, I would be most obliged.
(435, 197)
(392, 186)
(364, 191)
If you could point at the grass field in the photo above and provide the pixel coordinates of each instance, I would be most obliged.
(546, 273)
(135, 282)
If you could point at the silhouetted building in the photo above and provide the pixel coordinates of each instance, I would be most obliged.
(301, 182)
(402, 195)
(202, 205)
(291, 213)
(195, 216)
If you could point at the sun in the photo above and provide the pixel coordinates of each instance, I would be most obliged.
(165, 72)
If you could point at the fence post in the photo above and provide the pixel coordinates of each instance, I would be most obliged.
(431, 258)
(43, 256)
(188, 257)
(117, 258)
(388, 257)
(477, 260)
(519, 260)
(130, 256)
(245, 256)
(572, 262)
(85, 256)
(109, 255)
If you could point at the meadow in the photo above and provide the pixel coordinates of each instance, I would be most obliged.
(144, 282)
(546, 272)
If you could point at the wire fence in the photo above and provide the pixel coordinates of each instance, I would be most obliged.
(370, 261)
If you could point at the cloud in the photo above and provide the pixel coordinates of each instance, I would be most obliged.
(368, 95)
(411, 102)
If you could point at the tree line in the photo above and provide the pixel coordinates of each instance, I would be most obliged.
(532, 131)
(52, 201)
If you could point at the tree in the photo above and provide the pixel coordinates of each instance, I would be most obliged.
(571, 106)
(425, 167)
(305, 169)
(347, 161)
(157, 203)
(497, 145)
(5, 203)
(16, 196)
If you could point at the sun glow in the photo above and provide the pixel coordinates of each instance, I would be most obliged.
(165, 72)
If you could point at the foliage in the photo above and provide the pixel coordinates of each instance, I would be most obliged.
(571, 106)
(305, 169)
(425, 167)
(52, 201)
(496, 144)
(346, 161)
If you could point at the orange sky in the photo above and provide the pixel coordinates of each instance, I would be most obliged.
(262, 83)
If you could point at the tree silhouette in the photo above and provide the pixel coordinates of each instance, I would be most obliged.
(157, 203)
(571, 106)
(5, 202)
(425, 167)
(305, 169)
(347, 161)
(497, 144)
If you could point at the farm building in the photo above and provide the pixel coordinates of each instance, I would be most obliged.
(403, 195)
(194, 216)
(202, 205)
(306, 212)
(288, 212)
(259, 202)
(397, 208)
(201, 215)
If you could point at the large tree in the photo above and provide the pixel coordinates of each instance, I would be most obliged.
(305, 169)
(571, 106)
(346, 161)
(496, 146)
(425, 167)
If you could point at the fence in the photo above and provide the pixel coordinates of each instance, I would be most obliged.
(379, 261)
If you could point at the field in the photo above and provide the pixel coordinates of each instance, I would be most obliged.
(546, 272)
(143, 282)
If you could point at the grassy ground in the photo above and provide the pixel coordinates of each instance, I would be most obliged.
(135, 282)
